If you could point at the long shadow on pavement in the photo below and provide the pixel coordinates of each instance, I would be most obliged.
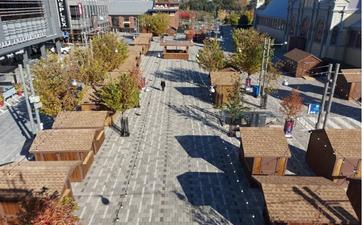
(200, 93)
(337, 108)
(220, 197)
(183, 75)
(297, 164)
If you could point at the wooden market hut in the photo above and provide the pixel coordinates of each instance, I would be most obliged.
(299, 62)
(354, 195)
(137, 52)
(340, 150)
(264, 150)
(65, 145)
(18, 179)
(176, 49)
(296, 200)
(223, 82)
(84, 120)
(349, 84)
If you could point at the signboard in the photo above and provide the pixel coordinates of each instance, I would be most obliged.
(63, 16)
(313, 108)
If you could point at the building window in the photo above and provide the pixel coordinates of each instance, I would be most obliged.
(305, 27)
(334, 36)
(292, 25)
(74, 12)
(354, 40)
(319, 31)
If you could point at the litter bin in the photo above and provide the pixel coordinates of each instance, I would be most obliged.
(256, 90)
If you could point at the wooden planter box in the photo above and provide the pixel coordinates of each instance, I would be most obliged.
(67, 145)
(340, 150)
(20, 178)
(264, 151)
(295, 200)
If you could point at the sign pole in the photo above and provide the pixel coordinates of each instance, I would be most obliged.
(326, 85)
(336, 72)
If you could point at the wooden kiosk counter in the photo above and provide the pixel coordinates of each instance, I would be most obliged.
(20, 178)
(176, 49)
(223, 82)
(264, 151)
(65, 145)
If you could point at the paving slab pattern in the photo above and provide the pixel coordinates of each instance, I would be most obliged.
(177, 167)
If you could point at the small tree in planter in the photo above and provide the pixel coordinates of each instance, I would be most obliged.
(2, 101)
(19, 89)
(235, 107)
(291, 106)
(211, 56)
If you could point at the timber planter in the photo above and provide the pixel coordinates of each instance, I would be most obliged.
(340, 150)
(264, 151)
(66, 145)
(20, 178)
(295, 200)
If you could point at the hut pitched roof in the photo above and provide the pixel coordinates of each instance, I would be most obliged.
(135, 50)
(224, 78)
(264, 142)
(297, 55)
(306, 200)
(80, 119)
(352, 75)
(63, 140)
(18, 178)
(346, 143)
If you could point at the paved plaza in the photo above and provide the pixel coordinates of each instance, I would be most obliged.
(178, 166)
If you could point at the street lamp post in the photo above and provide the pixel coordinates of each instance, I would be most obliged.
(264, 68)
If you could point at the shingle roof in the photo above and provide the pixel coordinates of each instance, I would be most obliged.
(19, 177)
(135, 50)
(297, 55)
(63, 140)
(306, 200)
(346, 143)
(80, 119)
(129, 7)
(264, 141)
(352, 75)
(224, 78)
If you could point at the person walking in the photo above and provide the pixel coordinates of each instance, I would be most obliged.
(163, 85)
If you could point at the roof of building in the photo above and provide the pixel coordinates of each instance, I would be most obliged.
(80, 119)
(129, 7)
(275, 9)
(352, 75)
(18, 178)
(264, 142)
(298, 55)
(63, 140)
(346, 143)
(224, 78)
(306, 200)
(176, 43)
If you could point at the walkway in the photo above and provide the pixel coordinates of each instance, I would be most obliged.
(177, 167)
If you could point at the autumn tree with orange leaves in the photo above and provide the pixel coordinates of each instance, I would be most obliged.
(291, 105)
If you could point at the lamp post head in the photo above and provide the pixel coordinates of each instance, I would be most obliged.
(74, 83)
(212, 89)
